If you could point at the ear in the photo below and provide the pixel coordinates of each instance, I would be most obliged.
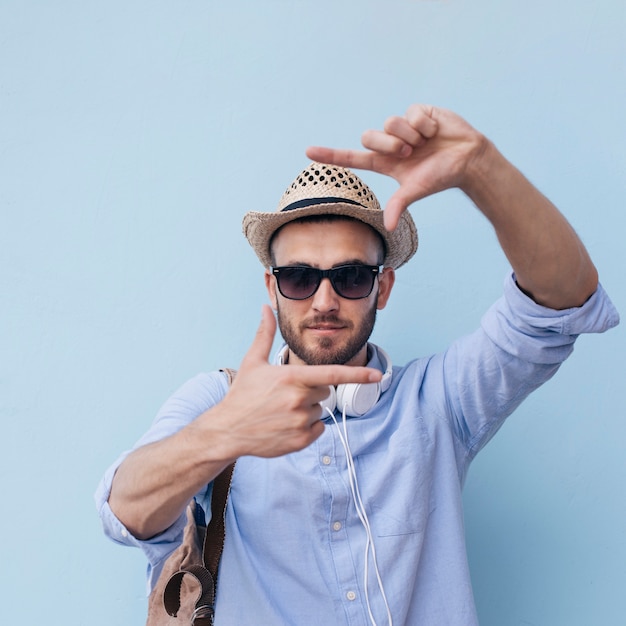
(386, 281)
(270, 285)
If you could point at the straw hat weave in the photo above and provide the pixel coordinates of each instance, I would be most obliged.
(330, 190)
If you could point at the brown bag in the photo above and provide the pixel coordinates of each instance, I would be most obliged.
(184, 594)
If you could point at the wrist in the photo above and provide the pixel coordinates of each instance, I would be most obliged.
(483, 164)
(209, 438)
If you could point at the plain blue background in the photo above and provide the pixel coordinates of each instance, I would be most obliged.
(135, 135)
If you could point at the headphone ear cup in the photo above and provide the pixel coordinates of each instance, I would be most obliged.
(330, 402)
(357, 399)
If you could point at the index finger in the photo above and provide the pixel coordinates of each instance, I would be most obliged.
(320, 375)
(356, 159)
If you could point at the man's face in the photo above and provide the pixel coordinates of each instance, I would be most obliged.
(326, 328)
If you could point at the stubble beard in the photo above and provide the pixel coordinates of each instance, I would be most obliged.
(325, 352)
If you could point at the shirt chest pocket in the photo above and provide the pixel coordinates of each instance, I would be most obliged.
(396, 492)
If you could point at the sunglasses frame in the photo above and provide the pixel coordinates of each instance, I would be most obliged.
(330, 274)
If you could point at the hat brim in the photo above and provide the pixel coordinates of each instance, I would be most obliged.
(401, 243)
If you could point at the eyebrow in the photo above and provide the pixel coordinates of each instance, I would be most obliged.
(339, 264)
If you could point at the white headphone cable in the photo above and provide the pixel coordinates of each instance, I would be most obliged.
(362, 514)
(366, 524)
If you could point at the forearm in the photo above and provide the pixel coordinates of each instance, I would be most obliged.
(269, 411)
(550, 262)
(153, 485)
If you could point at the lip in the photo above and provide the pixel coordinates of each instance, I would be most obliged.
(325, 328)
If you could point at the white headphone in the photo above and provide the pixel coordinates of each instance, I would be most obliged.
(355, 398)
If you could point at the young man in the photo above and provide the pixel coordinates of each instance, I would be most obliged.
(347, 509)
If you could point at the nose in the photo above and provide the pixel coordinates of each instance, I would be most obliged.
(325, 298)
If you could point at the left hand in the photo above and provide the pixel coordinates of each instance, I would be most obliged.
(427, 151)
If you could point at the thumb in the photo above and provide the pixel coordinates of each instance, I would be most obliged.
(396, 206)
(264, 338)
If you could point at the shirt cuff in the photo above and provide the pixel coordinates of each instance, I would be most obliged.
(538, 334)
(156, 548)
(595, 316)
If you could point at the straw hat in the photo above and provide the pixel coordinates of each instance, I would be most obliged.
(330, 190)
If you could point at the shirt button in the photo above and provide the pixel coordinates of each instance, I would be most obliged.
(326, 460)
(351, 595)
(124, 533)
(337, 526)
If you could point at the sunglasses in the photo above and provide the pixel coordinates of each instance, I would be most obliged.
(349, 281)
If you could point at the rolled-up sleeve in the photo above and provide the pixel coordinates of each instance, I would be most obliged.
(193, 398)
(534, 333)
(482, 378)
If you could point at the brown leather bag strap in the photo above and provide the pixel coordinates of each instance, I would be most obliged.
(205, 604)
(230, 374)
(216, 530)
(211, 551)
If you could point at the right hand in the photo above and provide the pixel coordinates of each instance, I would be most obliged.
(271, 410)
(426, 151)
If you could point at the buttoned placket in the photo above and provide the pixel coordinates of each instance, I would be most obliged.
(346, 540)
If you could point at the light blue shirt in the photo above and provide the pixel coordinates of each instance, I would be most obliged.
(295, 548)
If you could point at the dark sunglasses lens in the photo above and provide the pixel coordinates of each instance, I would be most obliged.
(353, 282)
(298, 283)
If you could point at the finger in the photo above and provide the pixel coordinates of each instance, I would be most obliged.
(399, 127)
(264, 338)
(316, 413)
(317, 394)
(421, 118)
(317, 428)
(396, 206)
(320, 375)
(381, 142)
(343, 158)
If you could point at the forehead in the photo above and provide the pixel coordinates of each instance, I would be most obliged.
(323, 244)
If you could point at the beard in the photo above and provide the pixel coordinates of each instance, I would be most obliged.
(325, 351)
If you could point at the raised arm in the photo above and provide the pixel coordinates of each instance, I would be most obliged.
(269, 411)
(429, 150)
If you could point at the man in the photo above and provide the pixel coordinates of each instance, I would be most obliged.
(351, 513)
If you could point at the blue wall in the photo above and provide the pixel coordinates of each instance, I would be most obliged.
(133, 137)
